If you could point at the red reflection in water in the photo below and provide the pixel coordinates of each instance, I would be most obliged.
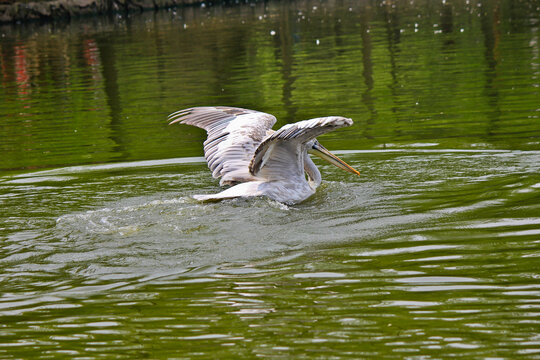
(21, 71)
(93, 61)
(91, 56)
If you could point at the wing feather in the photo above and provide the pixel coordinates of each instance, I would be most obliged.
(233, 136)
(281, 154)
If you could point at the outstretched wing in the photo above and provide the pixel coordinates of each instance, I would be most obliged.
(233, 136)
(280, 155)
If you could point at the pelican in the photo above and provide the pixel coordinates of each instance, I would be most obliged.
(244, 151)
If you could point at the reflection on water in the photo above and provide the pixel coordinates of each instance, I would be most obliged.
(457, 74)
(430, 253)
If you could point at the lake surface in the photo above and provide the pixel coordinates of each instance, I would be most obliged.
(433, 252)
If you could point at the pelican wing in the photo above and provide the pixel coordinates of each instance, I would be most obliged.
(280, 155)
(233, 136)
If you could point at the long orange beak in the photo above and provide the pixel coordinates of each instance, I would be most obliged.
(323, 153)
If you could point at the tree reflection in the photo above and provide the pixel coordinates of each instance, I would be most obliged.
(400, 69)
(367, 69)
(490, 18)
(109, 72)
(284, 54)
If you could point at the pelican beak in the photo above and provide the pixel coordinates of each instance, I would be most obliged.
(323, 153)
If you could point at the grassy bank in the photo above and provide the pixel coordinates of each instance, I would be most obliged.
(22, 11)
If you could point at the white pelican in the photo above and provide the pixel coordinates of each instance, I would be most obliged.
(245, 152)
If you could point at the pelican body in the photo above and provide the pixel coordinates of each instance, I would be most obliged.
(244, 151)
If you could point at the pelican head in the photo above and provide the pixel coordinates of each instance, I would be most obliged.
(315, 148)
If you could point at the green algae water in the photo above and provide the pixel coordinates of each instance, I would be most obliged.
(432, 253)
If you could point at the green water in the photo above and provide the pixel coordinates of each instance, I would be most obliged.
(433, 252)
